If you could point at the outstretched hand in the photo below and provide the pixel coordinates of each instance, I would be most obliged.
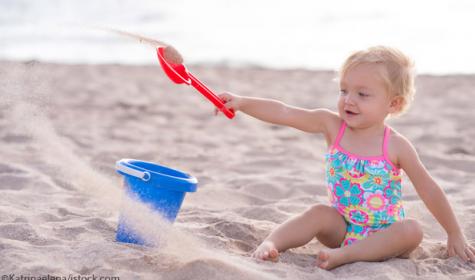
(231, 101)
(457, 245)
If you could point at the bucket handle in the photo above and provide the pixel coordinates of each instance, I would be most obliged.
(133, 172)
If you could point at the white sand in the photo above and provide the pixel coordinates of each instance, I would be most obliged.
(63, 127)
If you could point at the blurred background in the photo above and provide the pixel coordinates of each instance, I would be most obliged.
(438, 34)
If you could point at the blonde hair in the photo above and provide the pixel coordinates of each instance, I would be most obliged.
(399, 71)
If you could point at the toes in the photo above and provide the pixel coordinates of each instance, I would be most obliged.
(274, 255)
(322, 259)
(266, 251)
(265, 256)
(259, 255)
(323, 256)
(323, 265)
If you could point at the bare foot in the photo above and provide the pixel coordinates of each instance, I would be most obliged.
(329, 259)
(266, 251)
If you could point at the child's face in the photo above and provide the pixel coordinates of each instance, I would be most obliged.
(364, 100)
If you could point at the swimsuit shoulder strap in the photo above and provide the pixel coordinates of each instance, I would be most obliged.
(387, 134)
(340, 134)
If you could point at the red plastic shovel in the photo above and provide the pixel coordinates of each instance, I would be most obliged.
(180, 75)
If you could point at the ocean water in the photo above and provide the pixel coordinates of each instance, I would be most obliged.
(270, 33)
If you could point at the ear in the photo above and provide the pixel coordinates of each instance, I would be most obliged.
(396, 104)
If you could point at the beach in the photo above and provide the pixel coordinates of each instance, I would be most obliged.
(63, 127)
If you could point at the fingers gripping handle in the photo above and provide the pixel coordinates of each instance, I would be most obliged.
(211, 96)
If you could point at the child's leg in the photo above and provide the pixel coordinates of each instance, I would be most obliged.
(321, 221)
(399, 239)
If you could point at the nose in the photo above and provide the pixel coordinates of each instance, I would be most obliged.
(349, 99)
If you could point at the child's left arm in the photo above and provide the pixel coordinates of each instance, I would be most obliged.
(435, 200)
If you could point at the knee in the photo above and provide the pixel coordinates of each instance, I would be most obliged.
(318, 210)
(412, 230)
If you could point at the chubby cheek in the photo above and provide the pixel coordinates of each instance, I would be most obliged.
(340, 104)
(375, 111)
(341, 111)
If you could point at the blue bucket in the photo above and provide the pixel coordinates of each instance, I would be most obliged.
(161, 187)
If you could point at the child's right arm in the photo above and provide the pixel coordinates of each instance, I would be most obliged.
(276, 112)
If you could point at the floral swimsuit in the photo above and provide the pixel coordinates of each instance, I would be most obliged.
(366, 191)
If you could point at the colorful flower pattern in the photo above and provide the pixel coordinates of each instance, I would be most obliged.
(366, 192)
(348, 194)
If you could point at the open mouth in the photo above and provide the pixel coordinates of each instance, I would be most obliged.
(350, 113)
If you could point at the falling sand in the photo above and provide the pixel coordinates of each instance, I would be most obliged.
(170, 54)
(54, 155)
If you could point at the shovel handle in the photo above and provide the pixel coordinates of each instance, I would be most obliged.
(210, 96)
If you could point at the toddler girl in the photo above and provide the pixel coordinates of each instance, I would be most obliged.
(365, 220)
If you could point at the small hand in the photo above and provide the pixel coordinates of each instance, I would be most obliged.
(458, 245)
(231, 101)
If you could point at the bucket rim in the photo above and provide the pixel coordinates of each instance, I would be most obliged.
(131, 163)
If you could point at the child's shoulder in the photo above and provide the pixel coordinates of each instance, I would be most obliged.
(332, 118)
(399, 146)
(398, 140)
